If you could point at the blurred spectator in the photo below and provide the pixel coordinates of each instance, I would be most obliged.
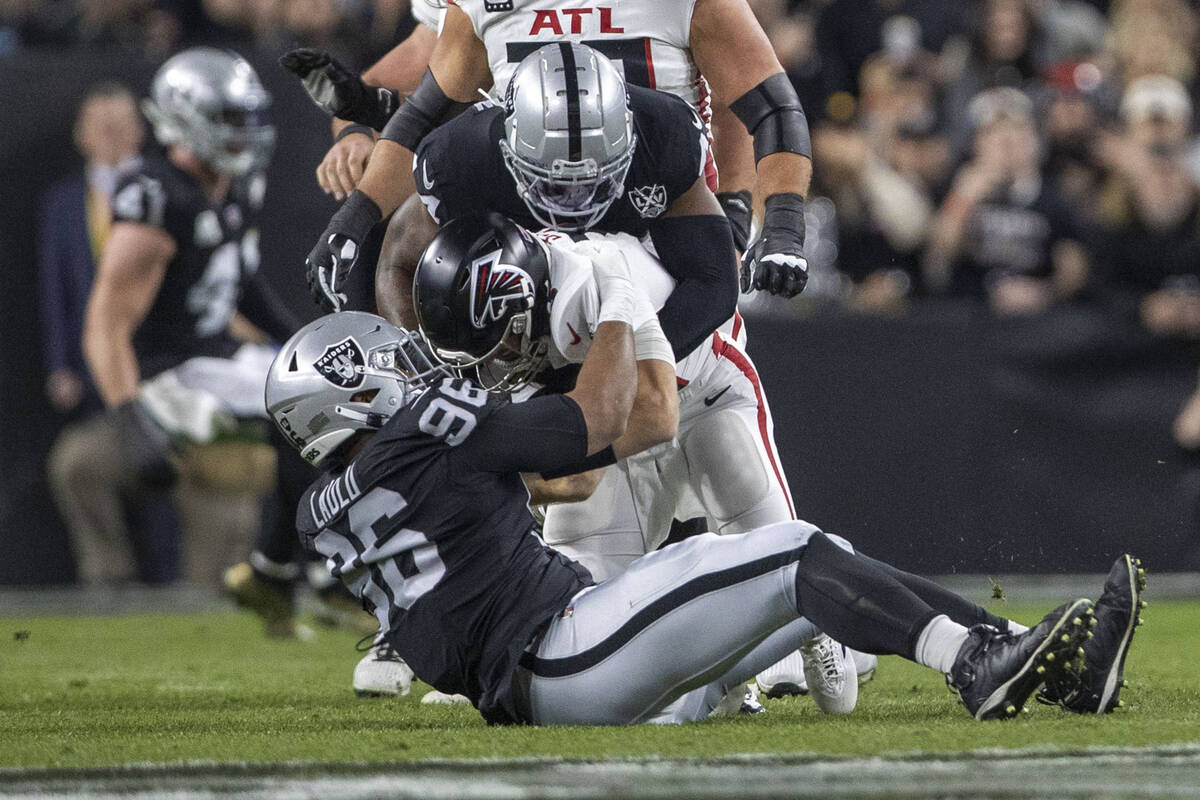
(153, 27)
(884, 202)
(1153, 37)
(74, 225)
(1004, 50)
(1151, 210)
(73, 228)
(851, 31)
(1003, 232)
(1072, 115)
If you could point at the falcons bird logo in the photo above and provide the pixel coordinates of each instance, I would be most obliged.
(496, 286)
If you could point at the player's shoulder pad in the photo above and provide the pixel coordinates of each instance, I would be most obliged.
(140, 197)
(671, 136)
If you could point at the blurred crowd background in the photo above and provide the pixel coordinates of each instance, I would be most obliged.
(1022, 159)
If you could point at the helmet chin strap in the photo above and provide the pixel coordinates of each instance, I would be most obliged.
(369, 419)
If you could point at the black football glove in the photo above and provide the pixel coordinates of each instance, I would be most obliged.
(337, 250)
(775, 262)
(144, 446)
(337, 90)
(737, 206)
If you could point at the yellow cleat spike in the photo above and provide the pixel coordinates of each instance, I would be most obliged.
(1066, 637)
(1077, 621)
(1024, 709)
(1124, 683)
(1093, 622)
(1010, 709)
(1141, 622)
(1049, 656)
(1091, 635)
(1041, 670)
(1120, 704)
(1143, 604)
(1079, 651)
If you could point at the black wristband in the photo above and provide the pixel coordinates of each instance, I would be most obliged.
(354, 127)
(356, 217)
(602, 458)
(737, 207)
(783, 219)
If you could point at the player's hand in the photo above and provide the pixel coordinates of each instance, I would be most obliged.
(775, 262)
(145, 446)
(737, 207)
(330, 261)
(339, 91)
(343, 166)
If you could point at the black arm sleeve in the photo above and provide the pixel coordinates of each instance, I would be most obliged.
(539, 435)
(425, 109)
(263, 307)
(698, 252)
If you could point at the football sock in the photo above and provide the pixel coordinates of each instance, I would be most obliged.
(939, 643)
(272, 571)
(857, 603)
(277, 539)
(957, 608)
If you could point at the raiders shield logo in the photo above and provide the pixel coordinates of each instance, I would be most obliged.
(342, 364)
(649, 201)
(498, 290)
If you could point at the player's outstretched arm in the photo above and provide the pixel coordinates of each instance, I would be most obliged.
(400, 70)
(457, 69)
(734, 54)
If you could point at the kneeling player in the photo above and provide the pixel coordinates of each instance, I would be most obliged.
(424, 517)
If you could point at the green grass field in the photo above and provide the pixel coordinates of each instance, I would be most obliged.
(98, 692)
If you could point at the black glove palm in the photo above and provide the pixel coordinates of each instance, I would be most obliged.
(330, 261)
(338, 91)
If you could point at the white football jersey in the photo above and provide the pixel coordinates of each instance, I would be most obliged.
(575, 302)
(649, 40)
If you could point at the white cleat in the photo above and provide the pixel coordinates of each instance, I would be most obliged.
(864, 665)
(740, 699)
(784, 678)
(436, 698)
(382, 672)
(829, 671)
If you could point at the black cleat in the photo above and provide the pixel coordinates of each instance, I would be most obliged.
(1096, 689)
(995, 672)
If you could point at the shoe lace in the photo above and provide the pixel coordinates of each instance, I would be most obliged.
(380, 644)
(825, 653)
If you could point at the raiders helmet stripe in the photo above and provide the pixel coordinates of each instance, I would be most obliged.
(571, 73)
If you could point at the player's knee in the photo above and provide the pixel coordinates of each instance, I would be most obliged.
(728, 463)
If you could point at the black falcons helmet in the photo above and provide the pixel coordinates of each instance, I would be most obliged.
(476, 288)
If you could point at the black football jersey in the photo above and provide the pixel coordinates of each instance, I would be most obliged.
(216, 247)
(429, 525)
(459, 168)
